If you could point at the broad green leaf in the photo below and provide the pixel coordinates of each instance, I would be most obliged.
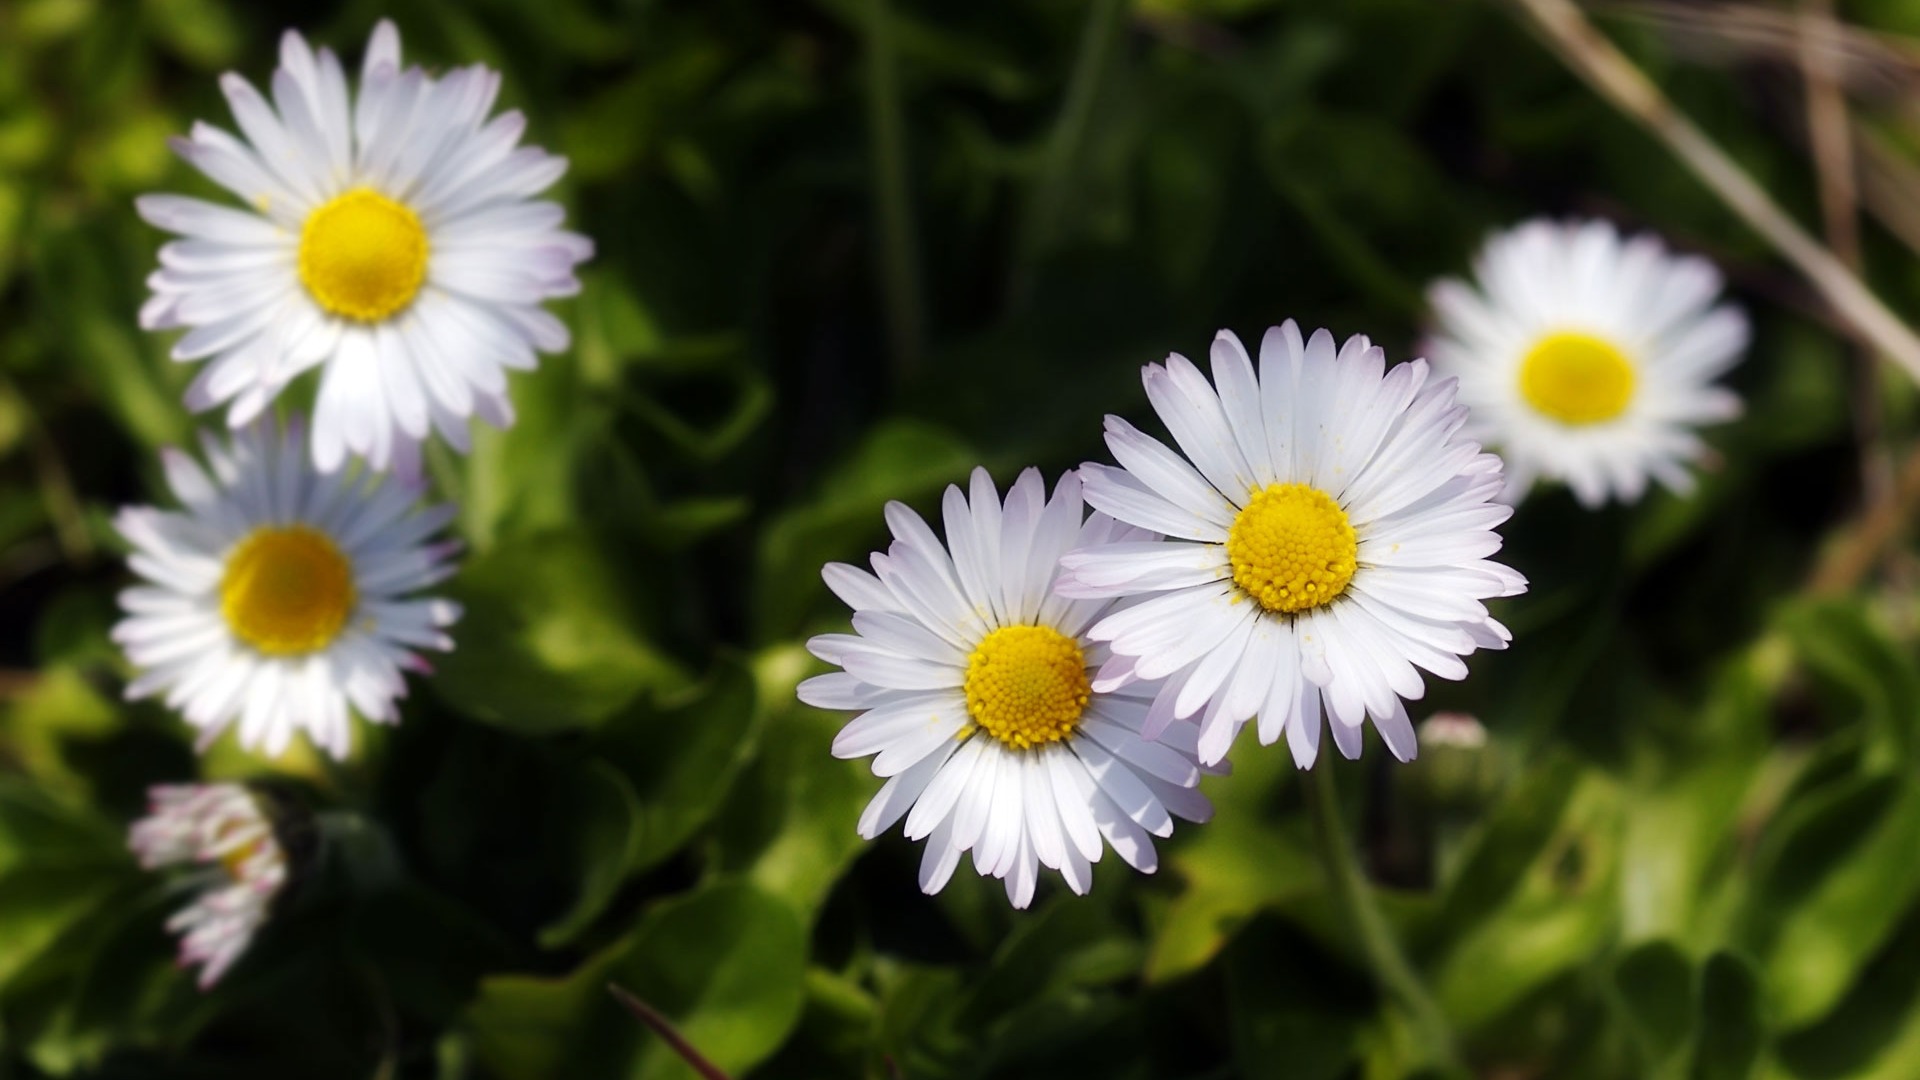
(606, 840)
(1066, 946)
(1294, 1014)
(1655, 984)
(1507, 844)
(682, 756)
(789, 825)
(725, 964)
(1842, 642)
(1244, 860)
(546, 642)
(41, 725)
(1833, 880)
(899, 460)
(1874, 1031)
(529, 1027)
(1557, 914)
(60, 865)
(1730, 1036)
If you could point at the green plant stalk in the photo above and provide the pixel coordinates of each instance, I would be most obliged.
(898, 246)
(1354, 895)
(1054, 184)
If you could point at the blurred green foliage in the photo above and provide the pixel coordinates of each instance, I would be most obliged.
(848, 249)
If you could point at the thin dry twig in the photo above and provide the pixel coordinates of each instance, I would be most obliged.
(1872, 65)
(1855, 553)
(1889, 185)
(1830, 139)
(1828, 133)
(1597, 60)
(664, 1028)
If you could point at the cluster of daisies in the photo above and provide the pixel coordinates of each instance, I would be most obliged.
(1049, 682)
(389, 237)
(1046, 678)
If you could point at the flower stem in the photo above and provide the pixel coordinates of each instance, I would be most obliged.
(1057, 184)
(664, 1028)
(898, 249)
(1353, 894)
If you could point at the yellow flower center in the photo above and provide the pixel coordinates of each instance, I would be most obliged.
(1577, 378)
(287, 590)
(1292, 548)
(363, 256)
(1027, 686)
(234, 862)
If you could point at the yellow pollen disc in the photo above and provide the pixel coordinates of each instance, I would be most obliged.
(234, 861)
(1292, 548)
(363, 256)
(1027, 685)
(1577, 378)
(287, 590)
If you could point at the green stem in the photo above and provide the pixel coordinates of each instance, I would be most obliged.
(1353, 894)
(899, 264)
(1055, 184)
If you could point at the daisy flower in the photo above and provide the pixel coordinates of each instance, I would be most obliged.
(280, 597)
(390, 239)
(219, 826)
(1587, 357)
(1326, 540)
(975, 682)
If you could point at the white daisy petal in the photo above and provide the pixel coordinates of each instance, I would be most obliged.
(1119, 493)
(1587, 358)
(975, 679)
(1346, 551)
(404, 226)
(222, 829)
(940, 859)
(272, 576)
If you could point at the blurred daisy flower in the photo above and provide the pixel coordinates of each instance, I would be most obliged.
(219, 826)
(1587, 357)
(279, 598)
(1327, 535)
(976, 684)
(389, 238)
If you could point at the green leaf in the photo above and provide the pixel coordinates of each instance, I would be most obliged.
(529, 1027)
(59, 866)
(547, 642)
(1728, 1044)
(1655, 984)
(1556, 916)
(1245, 860)
(725, 965)
(789, 824)
(900, 459)
(1066, 947)
(1294, 1013)
(1874, 1031)
(1833, 880)
(664, 771)
(1508, 843)
(1841, 641)
(606, 843)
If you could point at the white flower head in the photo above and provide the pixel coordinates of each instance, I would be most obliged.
(220, 826)
(279, 597)
(1587, 357)
(976, 684)
(389, 238)
(1326, 539)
